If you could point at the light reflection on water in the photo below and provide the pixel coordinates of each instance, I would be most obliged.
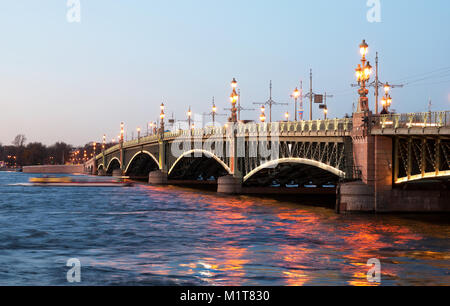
(173, 236)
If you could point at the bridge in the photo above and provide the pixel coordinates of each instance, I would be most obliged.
(372, 160)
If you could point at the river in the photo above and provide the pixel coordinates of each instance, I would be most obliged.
(145, 235)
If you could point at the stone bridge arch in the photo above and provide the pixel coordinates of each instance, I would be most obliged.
(299, 171)
(141, 164)
(113, 164)
(192, 156)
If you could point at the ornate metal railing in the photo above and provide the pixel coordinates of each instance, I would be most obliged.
(414, 120)
(279, 128)
(331, 125)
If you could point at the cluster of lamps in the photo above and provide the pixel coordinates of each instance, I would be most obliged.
(363, 73)
(386, 101)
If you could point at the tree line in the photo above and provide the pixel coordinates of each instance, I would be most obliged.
(19, 153)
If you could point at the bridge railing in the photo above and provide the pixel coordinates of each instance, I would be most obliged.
(279, 128)
(414, 120)
(330, 125)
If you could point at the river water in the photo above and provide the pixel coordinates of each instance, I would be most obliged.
(146, 235)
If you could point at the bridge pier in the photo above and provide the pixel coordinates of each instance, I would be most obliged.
(376, 192)
(117, 173)
(101, 172)
(157, 178)
(229, 185)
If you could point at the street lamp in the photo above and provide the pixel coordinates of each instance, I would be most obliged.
(138, 132)
(233, 99)
(325, 113)
(296, 95)
(189, 114)
(363, 72)
(214, 112)
(286, 115)
(162, 116)
(121, 131)
(104, 142)
(150, 128)
(386, 101)
(263, 114)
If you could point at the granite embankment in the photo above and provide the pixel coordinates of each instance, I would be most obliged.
(54, 169)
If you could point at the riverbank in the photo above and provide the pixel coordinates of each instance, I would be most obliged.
(54, 169)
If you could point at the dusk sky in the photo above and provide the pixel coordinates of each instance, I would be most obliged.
(74, 82)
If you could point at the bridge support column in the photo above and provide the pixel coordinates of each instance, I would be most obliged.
(229, 185)
(117, 173)
(157, 178)
(372, 156)
(101, 172)
(383, 172)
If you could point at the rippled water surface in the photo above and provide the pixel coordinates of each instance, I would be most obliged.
(146, 235)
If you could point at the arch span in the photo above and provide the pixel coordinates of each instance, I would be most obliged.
(302, 161)
(205, 153)
(138, 154)
(204, 166)
(141, 164)
(113, 161)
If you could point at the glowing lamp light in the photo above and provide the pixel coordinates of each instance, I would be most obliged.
(367, 71)
(234, 83)
(387, 88)
(363, 48)
(358, 73)
(214, 109)
(389, 101)
(296, 93)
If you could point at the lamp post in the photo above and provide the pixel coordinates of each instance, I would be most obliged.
(189, 114)
(161, 117)
(286, 115)
(104, 142)
(213, 114)
(296, 95)
(263, 114)
(121, 132)
(363, 72)
(233, 99)
(138, 133)
(386, 101)
(325, 113)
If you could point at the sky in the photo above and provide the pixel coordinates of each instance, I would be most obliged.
(75, 81)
